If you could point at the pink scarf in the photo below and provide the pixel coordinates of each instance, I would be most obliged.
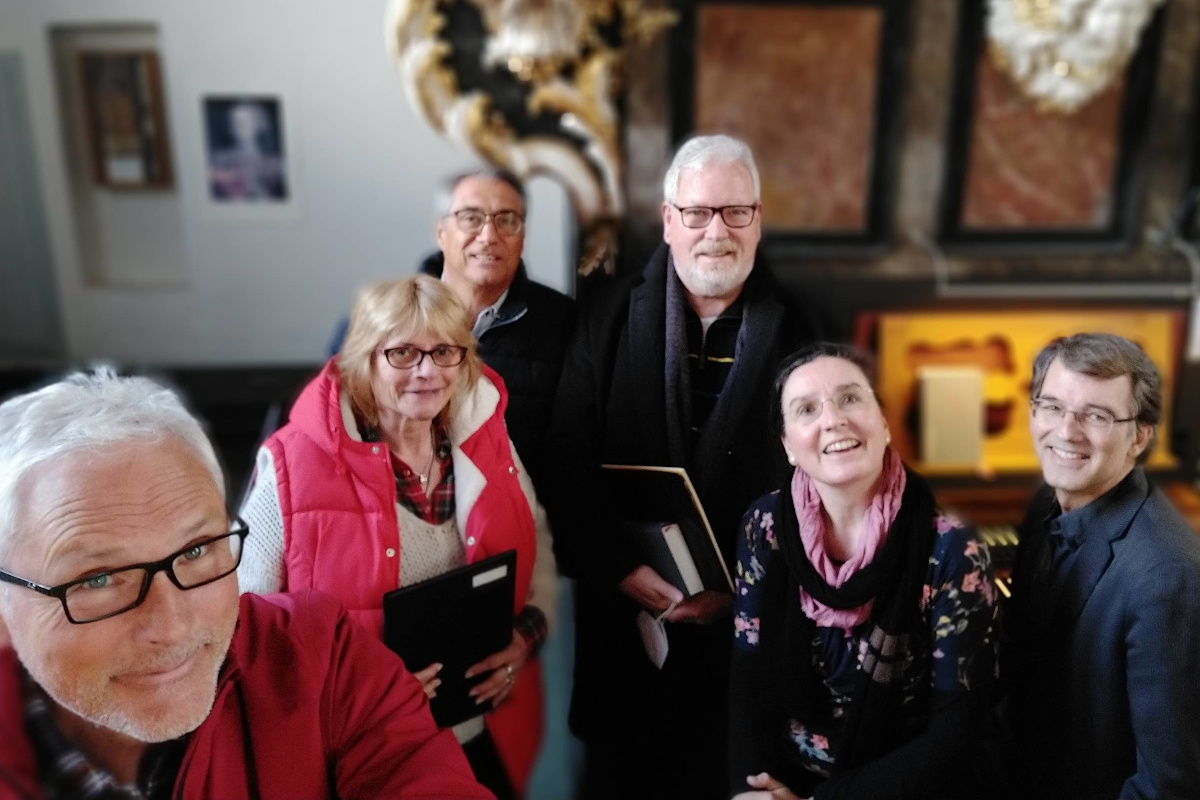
(880, 516)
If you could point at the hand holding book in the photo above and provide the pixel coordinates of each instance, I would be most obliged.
(703, 608)
(651, 590)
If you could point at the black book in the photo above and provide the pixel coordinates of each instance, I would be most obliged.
(662, 512)
(458, 619)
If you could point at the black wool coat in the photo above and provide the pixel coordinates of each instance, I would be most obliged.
(611, 408)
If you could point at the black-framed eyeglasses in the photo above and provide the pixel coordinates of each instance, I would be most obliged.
(408, 356)
(732, 216)
(472, 220)
(105, 594)
(1096, 420)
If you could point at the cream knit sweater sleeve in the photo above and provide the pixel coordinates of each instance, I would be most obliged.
(261, 570)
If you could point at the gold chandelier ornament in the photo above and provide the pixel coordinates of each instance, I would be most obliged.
(530, 86)
(1063, 53)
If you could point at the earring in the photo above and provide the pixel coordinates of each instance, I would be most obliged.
(888, 440)
(791, 459)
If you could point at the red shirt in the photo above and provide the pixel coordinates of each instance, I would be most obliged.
(308, 705)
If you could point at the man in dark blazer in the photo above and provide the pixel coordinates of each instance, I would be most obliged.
(670, 368)
(1103, 654)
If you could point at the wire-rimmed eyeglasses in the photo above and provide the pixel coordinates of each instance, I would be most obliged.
(1096, 420)
(101, 595)
(848, 401)
(472, 220)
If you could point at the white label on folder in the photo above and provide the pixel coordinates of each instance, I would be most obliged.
(484, 578)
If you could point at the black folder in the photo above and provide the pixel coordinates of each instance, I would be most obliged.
(651, 500)
(458, 619)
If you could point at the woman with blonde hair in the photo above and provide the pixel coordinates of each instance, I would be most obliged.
(394, 467)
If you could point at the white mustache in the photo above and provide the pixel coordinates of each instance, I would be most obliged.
(715, 247)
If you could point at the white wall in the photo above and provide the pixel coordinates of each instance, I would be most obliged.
(363, 164)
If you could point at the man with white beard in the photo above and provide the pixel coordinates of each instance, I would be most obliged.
(673, 368)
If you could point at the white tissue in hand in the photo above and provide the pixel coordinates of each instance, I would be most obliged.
(654, 637)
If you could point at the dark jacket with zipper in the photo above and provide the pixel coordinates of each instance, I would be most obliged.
(526, 344)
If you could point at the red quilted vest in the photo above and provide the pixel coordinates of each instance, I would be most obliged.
(342, 536)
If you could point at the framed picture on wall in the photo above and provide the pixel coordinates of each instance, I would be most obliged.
(1000, 345)
(1190, 203)
(246, 153)
(126, 125)
(814, 87)
(1021, 178)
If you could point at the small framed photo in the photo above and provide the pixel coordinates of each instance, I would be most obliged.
(246, 150)
(126, 125)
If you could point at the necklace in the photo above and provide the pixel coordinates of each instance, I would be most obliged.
(428, 473)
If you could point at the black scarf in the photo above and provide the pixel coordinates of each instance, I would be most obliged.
(895, 578)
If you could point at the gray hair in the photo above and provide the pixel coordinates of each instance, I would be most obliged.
(1106, 356)
(445, 194)
(701, 151)
(88, 411)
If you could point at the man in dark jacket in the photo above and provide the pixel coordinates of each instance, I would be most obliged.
(522, 326)
(673, 368)
(1104, 648)
(134, 669)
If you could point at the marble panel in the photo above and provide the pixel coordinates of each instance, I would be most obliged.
(1034, 168)
(798, 83)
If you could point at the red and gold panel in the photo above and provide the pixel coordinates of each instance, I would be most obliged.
(1003, 345)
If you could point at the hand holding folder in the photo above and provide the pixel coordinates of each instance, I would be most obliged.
(661, 512)
(457, 619)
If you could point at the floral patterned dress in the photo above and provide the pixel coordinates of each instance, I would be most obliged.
(958, 606)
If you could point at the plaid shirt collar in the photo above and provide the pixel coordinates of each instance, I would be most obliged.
(436, 507)
(66, 773)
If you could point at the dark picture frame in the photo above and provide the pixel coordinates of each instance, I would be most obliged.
(1116, 235)
(882, 130)
(125, 120)
(246, 149)
(1189, 224)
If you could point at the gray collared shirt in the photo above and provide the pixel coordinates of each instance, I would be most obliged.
(487, 317)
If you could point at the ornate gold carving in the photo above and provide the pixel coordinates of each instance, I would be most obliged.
(1037, 13)
(555, 47)
(1063, 53)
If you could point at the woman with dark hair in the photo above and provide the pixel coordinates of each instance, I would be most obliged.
(863, 616)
